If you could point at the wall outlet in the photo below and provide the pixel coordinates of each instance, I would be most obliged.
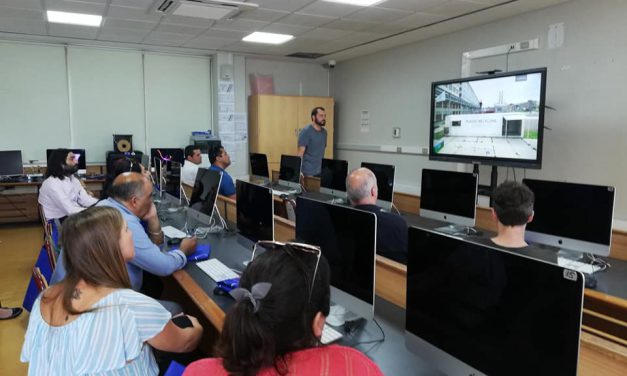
(396, 132)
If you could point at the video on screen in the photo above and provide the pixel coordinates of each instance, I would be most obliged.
(495, 117)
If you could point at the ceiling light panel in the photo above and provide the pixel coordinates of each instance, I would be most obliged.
(74, 18)
(267, 38)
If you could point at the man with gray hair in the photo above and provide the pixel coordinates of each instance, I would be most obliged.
(131, 194)
(361, 187)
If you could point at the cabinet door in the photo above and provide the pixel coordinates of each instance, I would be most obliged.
(276, 132)
(305, 105)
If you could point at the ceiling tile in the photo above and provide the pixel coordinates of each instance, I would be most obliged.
(22, 26)
(378, 15)
(324, 8)
(487, 2)
(281, 28)
(179, 29)
(127, 13)
(362, 37)
(166, 39)
(240, 25)
(75, 6)
(24, 4)
(286, 5)
(142, 4)
(72, 31)
(111, 23)
(411, 5)
(388, 28)
(209, 43)
(349, 25)
(253, 48)
(419, 19)
(30, 14)
(306, 20)
(325, 34)
(122, 35)
(261, 14)
(224, 34)
(455, 8)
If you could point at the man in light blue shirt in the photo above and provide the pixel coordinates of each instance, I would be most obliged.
(312, 141)
(131, 194)
(220, 160)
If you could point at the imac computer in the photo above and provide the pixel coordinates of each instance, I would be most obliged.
(571, 216)
(168, 154)
(255, 211)
(289, 174)
(477, 310)
(259, 167)
(205, 192)
(333, 177)
(79, 156)
(385, 183)
(449, 196)
(11, 163)
(347, 238)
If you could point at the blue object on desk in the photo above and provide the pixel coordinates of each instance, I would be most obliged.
(175, 369)
(228, 284)
(203, 251)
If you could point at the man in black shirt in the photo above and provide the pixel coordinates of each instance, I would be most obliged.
(361, 186)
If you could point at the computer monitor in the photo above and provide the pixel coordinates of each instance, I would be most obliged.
(79, 155)
(168, 154)
(347, 238)
(173, 179)
(289, 172)
(333, 177)
(449, 196)
(255, 211)
(11, 163)
(477, 310)
(572, 216)
(205, 191)
(385, 182)
(259, 167)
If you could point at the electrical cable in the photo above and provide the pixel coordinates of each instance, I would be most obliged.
(375, 341)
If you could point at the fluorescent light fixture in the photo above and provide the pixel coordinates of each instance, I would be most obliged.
(269, 38)
(360, 3)
(74, 18)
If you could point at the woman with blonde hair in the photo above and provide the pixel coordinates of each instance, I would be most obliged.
(92, 322)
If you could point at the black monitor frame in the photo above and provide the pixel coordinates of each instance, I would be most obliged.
(259, 166)
(205, 192)
(11, 163)
(255, 211)
(460, 188)
(333, 177)
(385, 174)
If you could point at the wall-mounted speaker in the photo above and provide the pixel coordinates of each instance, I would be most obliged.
(122, 143)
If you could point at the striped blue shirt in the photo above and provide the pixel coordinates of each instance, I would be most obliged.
(111, 340)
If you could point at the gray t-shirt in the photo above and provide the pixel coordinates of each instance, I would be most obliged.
(314, 143)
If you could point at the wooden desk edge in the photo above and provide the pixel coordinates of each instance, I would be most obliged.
(207, 306)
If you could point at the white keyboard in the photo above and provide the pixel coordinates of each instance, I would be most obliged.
(577, 265)
(173, 232)
(216, 270)
(330, 335)
(277, 192)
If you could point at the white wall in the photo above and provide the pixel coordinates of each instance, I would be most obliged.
(291, 78)
(50, 98)
(586, 83)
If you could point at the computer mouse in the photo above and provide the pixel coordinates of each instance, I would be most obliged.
(218, 291)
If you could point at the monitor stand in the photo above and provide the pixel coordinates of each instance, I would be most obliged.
(338, 315)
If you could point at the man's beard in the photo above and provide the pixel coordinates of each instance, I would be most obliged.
(322, 123)
(70, 170)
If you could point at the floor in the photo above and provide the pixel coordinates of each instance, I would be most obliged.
(19, 248)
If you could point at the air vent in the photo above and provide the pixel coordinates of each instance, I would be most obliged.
(306, 55)
(207, 9)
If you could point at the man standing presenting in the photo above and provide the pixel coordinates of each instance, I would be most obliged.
(312, 141)
(190, 168)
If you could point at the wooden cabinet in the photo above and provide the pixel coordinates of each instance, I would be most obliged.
(274, 122)
(19, 205)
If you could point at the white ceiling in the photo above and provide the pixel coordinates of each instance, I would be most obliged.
(335, 30)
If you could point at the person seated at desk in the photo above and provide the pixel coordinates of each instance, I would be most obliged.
(61, 193)
(274, 328)
(131, 195)
(361, 188)
(92, 322)
(220, 160)
(120, 166)
(193, 159)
